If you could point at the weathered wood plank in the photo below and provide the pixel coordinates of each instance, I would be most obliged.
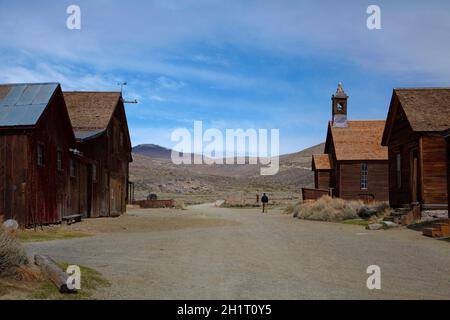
(53, 272)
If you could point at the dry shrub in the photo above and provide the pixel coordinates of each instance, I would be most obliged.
(12, 254)
(335, 209)
(328, 209)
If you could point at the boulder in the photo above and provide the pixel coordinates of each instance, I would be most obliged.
(390, 224)
(367, 212)
(11, 224)
(375, 226)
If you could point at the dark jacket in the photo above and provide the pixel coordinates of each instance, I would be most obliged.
(265, 199)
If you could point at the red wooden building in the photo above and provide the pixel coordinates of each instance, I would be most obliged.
(36, 144)
(417, 125)
(102, 136)
(354, 164)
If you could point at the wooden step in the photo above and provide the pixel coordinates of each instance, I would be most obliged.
(432, 232)
(443, 227)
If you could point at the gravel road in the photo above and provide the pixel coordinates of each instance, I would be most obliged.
(256, 256)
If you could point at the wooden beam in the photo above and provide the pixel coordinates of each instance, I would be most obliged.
(53, 272)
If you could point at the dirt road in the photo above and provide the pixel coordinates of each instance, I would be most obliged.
(242, 254)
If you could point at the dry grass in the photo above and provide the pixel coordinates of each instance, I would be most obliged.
(12, 254)
(48, 234)
(334, 209)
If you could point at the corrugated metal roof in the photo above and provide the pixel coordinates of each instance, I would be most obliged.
(23, 104)
(82, 135)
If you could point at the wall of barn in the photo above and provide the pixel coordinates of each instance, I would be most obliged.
(49, 186)
(434, 170)
(110, 153)
(349, 183)
(95, 152)
(13, 177)
(118, 162)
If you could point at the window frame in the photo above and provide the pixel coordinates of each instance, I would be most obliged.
(40, 154)
(72, 168)
(364, 176)
(398, 169)
(59, 160)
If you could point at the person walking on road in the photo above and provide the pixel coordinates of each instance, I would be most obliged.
(265, 201)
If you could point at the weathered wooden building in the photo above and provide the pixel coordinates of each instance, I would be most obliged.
(36, 145)
(354, 164)
(102, 136)
(417, 125)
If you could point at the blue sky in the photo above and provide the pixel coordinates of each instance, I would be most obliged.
(232, 64)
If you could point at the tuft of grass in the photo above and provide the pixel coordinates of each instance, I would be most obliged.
(358, 222)
(446, 239)
(91, 281)
(48, 235)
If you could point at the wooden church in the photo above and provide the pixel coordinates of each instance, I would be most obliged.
(354, 164)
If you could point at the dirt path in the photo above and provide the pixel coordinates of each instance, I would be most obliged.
(241, 254)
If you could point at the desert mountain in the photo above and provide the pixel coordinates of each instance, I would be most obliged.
(152, 171)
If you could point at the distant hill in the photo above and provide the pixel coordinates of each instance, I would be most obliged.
(152, 151)
(153, 171)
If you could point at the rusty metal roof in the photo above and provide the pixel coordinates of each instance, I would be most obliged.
(88, 134)
(23, 104)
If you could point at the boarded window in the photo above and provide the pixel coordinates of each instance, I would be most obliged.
(73, 169)
(399, 170)
(59, 160)
(40, 154)
(94, 173)
(364, 176)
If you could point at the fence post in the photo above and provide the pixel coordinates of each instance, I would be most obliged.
(330, 192)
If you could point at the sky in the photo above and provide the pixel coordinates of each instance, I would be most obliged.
(230, 63)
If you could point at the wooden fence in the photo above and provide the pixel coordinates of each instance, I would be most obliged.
(314, 194)
(155, 203)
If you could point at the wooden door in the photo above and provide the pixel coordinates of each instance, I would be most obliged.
(415, 178)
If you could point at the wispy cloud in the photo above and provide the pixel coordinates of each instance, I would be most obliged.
(234, 63)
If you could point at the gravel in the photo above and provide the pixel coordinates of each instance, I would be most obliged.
(258, 256)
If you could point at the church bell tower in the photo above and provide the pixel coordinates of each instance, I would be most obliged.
(339, 111)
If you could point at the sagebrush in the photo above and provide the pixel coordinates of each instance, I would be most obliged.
(12, 254)
(335, 209)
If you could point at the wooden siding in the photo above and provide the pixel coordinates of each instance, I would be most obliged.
(402, 141)
(349, 180)
(322, 179)
(314, 194)
(13, 177)
(48, 186)
(434, 170)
